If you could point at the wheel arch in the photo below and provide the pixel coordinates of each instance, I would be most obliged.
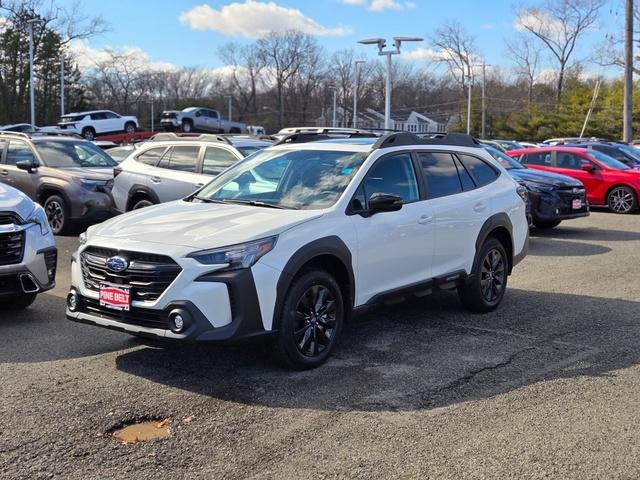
(138, 191)
(500, 227)
(327, 253)
(635, 190)
(46, 190)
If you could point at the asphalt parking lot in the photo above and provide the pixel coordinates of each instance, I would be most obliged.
(546, 386)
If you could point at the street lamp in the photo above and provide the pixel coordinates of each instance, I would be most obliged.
(32, 95)
(355, 91)
(335, 97)
(381, 43)
(229, 98)
(62, 85)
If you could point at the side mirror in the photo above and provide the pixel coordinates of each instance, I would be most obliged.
(384, 202)
(27, 165)
(587, 167)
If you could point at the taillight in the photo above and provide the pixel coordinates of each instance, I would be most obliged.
(524, 195)
(116, 171)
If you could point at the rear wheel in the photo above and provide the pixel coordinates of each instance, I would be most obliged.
(57, 214)
(89, 133)
(622, 200)
(19, 301)
(485, 289)
(311, 320)
(130, 127)
(546, 223)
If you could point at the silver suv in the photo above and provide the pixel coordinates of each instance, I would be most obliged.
(172, 166)
(28, 252)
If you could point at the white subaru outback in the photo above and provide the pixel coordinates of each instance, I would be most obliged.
(28, 253)
(293, 240)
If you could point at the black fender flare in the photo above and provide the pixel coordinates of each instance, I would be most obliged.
(495, 221)
(52, 187)
(330, 245)
(138, 188)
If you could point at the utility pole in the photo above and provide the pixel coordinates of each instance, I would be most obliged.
(469, 103)
(484, 81)
(61, 85)
(229, 97)
(335, 98)
(32, 95)
(627, 135)
(355, 92)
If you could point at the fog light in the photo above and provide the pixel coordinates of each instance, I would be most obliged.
(179, 320)
(72, 301)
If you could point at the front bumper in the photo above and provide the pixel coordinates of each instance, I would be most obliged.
(550, 207)
(170, 122)
(218, 307)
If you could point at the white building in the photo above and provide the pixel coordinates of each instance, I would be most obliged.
(369, 118)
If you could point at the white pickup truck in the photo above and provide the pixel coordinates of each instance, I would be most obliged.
(196, 119)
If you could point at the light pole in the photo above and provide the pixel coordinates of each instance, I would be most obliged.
(335, 98)
(229, 98)
(469, 103)
(382, 43)
(355, 92)
(62, 85)
(32, 95)
(484, 106)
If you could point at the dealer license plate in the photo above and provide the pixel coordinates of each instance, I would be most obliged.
(577, 204)
(117, 297)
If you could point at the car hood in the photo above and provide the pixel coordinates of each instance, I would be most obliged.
(548, 178)
(89, 173)
(12, 200)
(201, 225)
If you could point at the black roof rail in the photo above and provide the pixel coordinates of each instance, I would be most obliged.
(315, 137)
(405, 138)
(204, 137)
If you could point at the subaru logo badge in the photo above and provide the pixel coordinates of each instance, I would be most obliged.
(117, 264)
(576, 190)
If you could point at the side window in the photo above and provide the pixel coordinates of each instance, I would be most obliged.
(216, 160)
(19, 151)
(151, 156)
(540, 158)
(440, 174)
(480, 171)
(465, 178)
(110, 115)
(199, 113)
(98, 116)
(213, 114)
(394, 175)
(569, 161)
(183, 159)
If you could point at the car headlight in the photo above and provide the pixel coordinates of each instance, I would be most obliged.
(39, 218)
(91, 185)
(539, 187)
(236, 257)
(82, 238)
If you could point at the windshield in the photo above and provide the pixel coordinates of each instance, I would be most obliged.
(300, 179)
(503, 159)
(608, 161)
(67, 154)
(630, 151)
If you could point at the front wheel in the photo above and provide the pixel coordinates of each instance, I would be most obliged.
(546, 223)
(485, 288)
(18, 302)
(187, 126)
(89, 133)
(57, 214)
(143, 203)
(311, 320)
(622, 200)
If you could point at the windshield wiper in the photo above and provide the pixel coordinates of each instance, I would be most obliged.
(257, 203)
(207, 200)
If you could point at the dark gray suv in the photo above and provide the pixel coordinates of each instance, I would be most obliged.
(69, 176)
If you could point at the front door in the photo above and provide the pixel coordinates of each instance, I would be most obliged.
(395, 249)
(570, 164)
(176, 175)
(26, 182)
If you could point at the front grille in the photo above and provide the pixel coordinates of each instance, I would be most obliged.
(8, 218)
(148, 275)
(142, 317)
(569, 194)
(11, 247)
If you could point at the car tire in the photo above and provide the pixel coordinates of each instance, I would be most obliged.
(142, 203)
(57, 214)
(546, 223)
(89, 133)
(487, 284)
(130, 127)
(311, 320)
(19, 301)
(622, 200)
(187, 126)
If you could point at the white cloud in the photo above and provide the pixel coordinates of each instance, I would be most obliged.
(538, 21)
(254, 19)
(425, 54)
(380, 5)
(87, 57)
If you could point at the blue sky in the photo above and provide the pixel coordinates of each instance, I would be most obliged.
(156, 27)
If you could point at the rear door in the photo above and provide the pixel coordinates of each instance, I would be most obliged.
(99, 122)
(176, 175)
(113, 123)
(25, 181)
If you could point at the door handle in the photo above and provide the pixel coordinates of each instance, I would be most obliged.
(479, 207)
(156, 179)
(424, 219)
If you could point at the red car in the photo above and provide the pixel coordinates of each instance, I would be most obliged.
(607, 181)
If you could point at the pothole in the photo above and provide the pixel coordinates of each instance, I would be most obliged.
(142, 431)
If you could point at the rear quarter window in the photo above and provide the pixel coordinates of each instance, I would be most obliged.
(151, 156)
(481, 171)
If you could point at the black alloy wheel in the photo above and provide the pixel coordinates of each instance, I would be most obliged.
(315, 321)
(492, 275)
(621, 200)
(144, 203)
(56, 211)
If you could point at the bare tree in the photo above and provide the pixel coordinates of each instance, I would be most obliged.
(456, 49)
(246, 67)
(526, 56)
(558, 25)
